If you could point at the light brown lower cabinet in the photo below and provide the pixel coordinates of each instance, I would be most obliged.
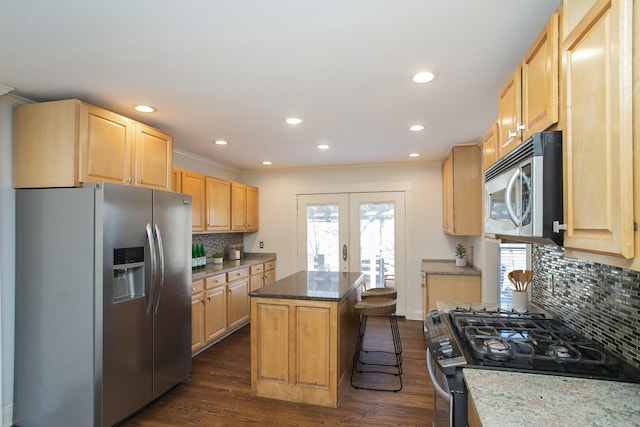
(450, 288)
(301, 350)
(472, 416)
(197, 315)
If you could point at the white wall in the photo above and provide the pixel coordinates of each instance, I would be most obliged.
(7, 255)
(188, 161)
(424, 236)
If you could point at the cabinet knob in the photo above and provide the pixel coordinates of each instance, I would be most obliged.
(520, 127)
(128, 179)
(139, 180)
(511, 134)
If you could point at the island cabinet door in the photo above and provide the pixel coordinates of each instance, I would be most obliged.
(294, 351)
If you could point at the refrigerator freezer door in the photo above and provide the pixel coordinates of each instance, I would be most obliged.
(127, 326)
(172, 322)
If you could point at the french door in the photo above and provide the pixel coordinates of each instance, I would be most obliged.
(354, 232)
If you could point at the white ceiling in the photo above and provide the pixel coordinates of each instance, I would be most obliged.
(235, 69)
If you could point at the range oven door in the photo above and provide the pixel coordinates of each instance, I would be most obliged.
(442, 401)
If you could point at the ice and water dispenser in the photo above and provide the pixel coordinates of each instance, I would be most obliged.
(128, 273)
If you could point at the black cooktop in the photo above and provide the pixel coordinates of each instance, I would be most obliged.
(530, 342)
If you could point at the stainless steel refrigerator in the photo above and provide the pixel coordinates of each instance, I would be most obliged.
(103, 302)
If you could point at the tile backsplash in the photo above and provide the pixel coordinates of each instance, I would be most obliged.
(600, 300)
(216, 242)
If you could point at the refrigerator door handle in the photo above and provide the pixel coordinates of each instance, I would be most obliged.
(160, 268)
(154, 265)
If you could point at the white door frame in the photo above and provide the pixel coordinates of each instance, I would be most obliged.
(353, 200)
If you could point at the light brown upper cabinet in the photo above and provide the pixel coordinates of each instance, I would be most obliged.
(69, 142)
(490, 146)
(218, 204)
(176, 180)
(462, 191)
(244, 207)
(598, 58)
(193, 183)
(528, 101)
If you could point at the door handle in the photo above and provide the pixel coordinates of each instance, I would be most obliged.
(160, 267)
(509, 202)
(344, 252)
(154, 266)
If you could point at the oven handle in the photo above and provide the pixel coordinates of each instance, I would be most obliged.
(442, 392)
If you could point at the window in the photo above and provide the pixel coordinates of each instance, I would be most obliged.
(512, 256)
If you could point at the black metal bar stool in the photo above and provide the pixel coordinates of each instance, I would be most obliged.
(377, 307)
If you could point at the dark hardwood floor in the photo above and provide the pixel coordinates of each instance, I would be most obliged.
(218, 393)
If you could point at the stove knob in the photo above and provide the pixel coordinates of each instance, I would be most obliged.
(435, 316)
(447, 351)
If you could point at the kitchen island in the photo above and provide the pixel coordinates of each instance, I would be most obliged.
(303, 336)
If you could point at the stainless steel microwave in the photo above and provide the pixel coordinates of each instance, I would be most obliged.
(523, 191)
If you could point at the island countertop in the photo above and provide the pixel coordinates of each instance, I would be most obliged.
(311, 285)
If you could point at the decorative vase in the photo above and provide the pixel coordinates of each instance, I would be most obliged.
(217, 260)
(520, 301)
(461, 262)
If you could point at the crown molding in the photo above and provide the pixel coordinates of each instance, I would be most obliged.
(4, 89)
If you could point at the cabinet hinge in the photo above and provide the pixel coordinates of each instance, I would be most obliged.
(635, 226)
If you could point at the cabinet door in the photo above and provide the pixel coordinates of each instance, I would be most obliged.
(154, 157)
(106, 141)
(193, 184)
(218, 204)
(176, 180)
(490, 146)
(257, 281)
(540, 81)
(509, 113)
(238, 207)
(447, 193)
(450, 288)
(269, 277)
(252, 208)
(197, 321)
(238, 302)
(215, 313)
(598, 139)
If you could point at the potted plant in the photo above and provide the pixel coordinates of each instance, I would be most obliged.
(217, 257)
(461, 251)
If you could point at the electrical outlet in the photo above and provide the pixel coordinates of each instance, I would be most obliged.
(261, 245)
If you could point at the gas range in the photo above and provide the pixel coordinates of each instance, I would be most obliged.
(527, 342)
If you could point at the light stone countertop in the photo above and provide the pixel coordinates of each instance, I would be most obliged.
(508, 399)
(447, 266)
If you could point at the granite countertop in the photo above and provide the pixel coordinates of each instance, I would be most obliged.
(518, 399)
(311, 285)
(227, 266)
(447, 266)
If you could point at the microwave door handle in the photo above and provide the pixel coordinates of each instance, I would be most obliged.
(509, 201)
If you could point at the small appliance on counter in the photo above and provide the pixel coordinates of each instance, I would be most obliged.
(235, 251)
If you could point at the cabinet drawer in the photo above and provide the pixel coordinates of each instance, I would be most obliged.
(237, 274)
(215, 281)
(259, 268)
(269, 265)
(197, 286)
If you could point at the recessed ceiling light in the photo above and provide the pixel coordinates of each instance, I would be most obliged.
(293, 120)
(266, 163)
(144, 109)
(416, 128)
(323, 146)
(414, 155)
(424, 77)
(220, 142)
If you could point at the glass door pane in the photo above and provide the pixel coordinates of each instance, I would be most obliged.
(377, 237)
(323, 232)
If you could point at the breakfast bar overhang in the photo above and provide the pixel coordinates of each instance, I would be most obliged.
(303, 336)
